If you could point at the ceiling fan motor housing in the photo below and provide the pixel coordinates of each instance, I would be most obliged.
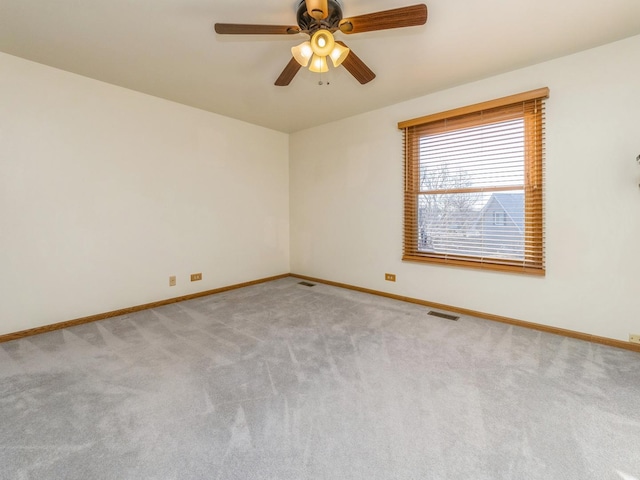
(310, 25)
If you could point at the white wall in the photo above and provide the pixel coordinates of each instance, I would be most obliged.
(346, 206)
(105, 192)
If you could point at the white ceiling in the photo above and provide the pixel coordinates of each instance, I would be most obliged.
(168, 48)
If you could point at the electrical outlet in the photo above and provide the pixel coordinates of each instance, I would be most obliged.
(172, 281)
(196, 276)
(634, 337)
(390, 277)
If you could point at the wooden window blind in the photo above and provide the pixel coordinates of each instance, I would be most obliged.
(474, 185)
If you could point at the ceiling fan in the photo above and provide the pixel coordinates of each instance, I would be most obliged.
(320, 19)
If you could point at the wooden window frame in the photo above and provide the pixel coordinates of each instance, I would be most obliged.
(471, 116)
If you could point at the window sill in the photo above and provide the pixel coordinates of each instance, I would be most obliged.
(497, 265)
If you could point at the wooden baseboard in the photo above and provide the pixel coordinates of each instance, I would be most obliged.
(463, 311)
(125, 311)
(487, 316)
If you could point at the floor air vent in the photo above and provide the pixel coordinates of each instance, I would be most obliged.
(443, 315)
(307, 284)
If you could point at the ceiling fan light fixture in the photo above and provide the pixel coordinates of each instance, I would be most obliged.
(319, 64)
(338, 54)
(320, 19)
(318, 9)
(322, 43)
(302, 53)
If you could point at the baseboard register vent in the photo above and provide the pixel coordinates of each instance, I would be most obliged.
(307, 284)
(443, 315)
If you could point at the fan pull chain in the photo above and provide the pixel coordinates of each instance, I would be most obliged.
(322, 82)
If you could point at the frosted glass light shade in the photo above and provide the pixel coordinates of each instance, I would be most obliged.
(319, 64)
(338, 54)
(322, 43)
(302, 53)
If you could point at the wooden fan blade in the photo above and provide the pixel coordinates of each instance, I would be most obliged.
(246, 29)
(288, 73)
(395, 18)
(357, 67)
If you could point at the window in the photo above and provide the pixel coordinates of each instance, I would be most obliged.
(474, 181)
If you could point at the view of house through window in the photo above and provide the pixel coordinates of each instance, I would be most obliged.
(473, 186)
(473, 221)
